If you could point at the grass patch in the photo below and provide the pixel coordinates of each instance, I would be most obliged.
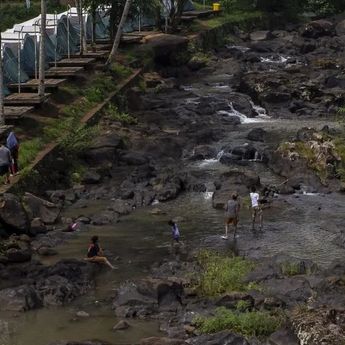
(248, 324)
(222, 274)
(290, 269)
(120, 71)
(28, 151)
(114, 114)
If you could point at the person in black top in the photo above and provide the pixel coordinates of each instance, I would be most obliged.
(95, 253)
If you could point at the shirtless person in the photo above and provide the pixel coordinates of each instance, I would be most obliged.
(256, 208)
(232, 210)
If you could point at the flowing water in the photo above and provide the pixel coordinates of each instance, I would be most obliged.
(305, 226)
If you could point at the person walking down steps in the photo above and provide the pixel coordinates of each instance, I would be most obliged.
(232, 211)
(5, 163)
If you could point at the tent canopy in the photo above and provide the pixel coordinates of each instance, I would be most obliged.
(11, 68)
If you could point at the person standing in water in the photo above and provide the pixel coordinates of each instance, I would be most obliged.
(95, 253)
(174, 231)
(256, 208)
(232, 211)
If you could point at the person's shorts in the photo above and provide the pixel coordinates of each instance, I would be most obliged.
(256, 210)
(231, 220)
(4, 169)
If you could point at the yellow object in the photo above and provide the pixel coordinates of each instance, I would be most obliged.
(216, 6)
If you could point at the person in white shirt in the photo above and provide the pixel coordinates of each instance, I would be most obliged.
(256, 209)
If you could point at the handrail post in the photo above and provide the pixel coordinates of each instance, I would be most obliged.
(19, 62)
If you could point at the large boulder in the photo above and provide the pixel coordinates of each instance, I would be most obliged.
(40, 208)
(261, 35)
(21, 298)
(18, 255)
(242, 103)
(257, 134)
(318, 28)
(283, 337)
(220, 338)
(12, 213)
(340, 28)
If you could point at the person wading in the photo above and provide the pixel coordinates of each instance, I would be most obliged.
(232, 210)
(95, 253)
(256, 208)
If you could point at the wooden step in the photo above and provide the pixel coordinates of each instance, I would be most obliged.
(13, 113)
(32, 84)
(63, 72)
(98, 55)
(74, 62)
(26, 99)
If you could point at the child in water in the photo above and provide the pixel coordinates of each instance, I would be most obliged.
(174, 231)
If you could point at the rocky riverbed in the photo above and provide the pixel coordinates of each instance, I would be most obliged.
(197, 138)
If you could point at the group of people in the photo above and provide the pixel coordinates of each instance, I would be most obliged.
(9, 157)
(232, 211)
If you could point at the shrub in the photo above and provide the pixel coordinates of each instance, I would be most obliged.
(114, 114)
(94, 94)
(221, 274)
(248, 324)
(120, 71)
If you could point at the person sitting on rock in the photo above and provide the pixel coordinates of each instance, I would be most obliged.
(174, 231)
(232, 210)
(256, 208)
(95, 253)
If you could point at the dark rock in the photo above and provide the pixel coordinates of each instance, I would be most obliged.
(12, 213)
(121, 207)
(229, 158)
(242, 103)
(340, 28)
(21, 298)
(283, 337)
(262, 35)
(18, 255)
(39, 208)
(83, 342)
(318, 28)
(276, 97)
(162, 341)
(231, 119)
(230, 300)
(121, 325)
(257, 134)
(91, 177)
(134, 158)
(38, 227)
(204, 152)
(46, 251)
(221, 338)
(111, 140)
(98, 156)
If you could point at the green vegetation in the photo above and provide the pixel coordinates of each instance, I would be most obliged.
(14, 12)
(114, 114)
(290, 268)
(120, 71)
(221, 274)
(29, 150)
(248, 324)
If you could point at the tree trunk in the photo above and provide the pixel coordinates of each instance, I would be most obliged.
(2, 111)
(42, 55)
(93, 15)
(82, 42)
(116, 43)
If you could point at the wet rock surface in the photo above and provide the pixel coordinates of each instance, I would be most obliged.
(217, 115)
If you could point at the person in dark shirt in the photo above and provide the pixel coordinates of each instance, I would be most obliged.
(5, 162)
(95, 253)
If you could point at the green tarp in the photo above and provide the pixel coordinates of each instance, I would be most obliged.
(101, 30)
(11, 69)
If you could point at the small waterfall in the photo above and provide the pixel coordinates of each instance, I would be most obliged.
(278, 60)
(208, 195)
(262, 113)
(220, 154)
(242, 117)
